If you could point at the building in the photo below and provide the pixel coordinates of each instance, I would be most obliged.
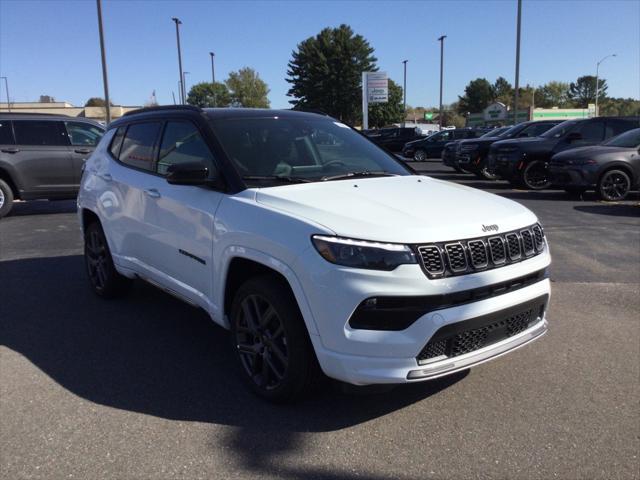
(499, 114)
(65, 108)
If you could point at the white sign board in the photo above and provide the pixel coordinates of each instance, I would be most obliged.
(377, 87)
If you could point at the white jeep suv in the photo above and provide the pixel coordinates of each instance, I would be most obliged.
(316, 248)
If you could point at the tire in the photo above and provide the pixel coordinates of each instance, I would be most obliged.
(6, 198)
(614, 185)
(483, 172)
(420, 155)
(535, 175)
(274, 352)
(104, 279)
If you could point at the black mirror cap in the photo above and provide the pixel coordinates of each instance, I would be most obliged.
(190, 173)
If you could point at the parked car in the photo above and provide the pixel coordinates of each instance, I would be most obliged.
(524, 161)
(449, 152)
(313, 255)
(432, 146)
(393, 139)
(41, 156)
(612, 168)
(472, 155)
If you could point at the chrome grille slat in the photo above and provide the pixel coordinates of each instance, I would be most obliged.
(442, 259)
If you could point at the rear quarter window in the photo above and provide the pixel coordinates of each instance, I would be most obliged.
(6, 135)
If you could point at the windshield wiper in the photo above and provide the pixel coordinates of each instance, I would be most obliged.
(364, 173)
(277, 178)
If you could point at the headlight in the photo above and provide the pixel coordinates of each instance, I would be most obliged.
(363, 254)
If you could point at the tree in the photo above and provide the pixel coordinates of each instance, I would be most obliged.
(502, 91)
(382, 114)
(478, 94)
(207, 94)
(325, 72)
(583, 91)
(96, 102)
(619, 107)
(247, 89)
(553, 94)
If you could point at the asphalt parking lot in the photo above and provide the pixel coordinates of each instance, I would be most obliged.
(145, 387)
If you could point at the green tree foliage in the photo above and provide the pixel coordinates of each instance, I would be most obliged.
(325, 72)
(247, 89)
(382, 114)
(503, 91)
(583, 90)
(207, 94)
(478, 94)
(553, 94)
(96, 102)
(619, 107)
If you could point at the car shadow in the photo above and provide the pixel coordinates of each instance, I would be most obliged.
(150, 353)
(611, 209)
(42, 207)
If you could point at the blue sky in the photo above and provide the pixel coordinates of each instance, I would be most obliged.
(52, 47)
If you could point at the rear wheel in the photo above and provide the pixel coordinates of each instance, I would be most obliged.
(270, 338)
(614, 185)
(535, 175)
(420, 155)
(6, 198)
(104, 279)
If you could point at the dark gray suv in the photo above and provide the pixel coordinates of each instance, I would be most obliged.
(41, 156)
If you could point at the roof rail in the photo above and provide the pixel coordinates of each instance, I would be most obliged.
(163, 107)
(36, 114)
(309, 110)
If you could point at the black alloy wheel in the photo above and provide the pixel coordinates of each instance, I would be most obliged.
(103, 276)
(614, 185)
(6, 198)
(535, 175)
(420, 155)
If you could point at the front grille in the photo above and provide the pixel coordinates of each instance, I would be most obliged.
(464, 337)
(468, 148)
(460, 257)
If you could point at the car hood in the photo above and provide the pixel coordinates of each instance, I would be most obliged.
(590, 152)
(405, 209)
(526, 143)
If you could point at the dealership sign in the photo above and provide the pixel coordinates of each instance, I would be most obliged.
(495, 111)
(377, 87)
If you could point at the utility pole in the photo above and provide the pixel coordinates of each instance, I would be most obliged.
(515, 100)
(182, 90)
(6, 87)
(597, 76)
(107, 103)
(184, 85)
(213, 72)
(404, 91)
(441, 40)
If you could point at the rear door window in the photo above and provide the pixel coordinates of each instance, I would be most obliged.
(83, 134)
(40, 133)
(616, 127)
(6, 135)
(592, 132)
(138, 146)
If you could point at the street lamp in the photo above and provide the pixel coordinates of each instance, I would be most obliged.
(6, 87)
(515, 100)
(213, 72)
(404, 90)
(182, 91)
(441, 40)
(184, 85)
(107, 104)
(597, 72)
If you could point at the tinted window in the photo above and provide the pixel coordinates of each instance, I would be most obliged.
(616, 127)
(560, 130)
(630, 139)
(116, 142)
(6, 137)
(84, 133)
(137, 147)
(39, 132)
(535, 129)
(591, 131)
(182, 143)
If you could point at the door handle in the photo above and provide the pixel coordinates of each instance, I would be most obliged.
(82, 150)
(10, 150)
(105, 176)
(152, 192)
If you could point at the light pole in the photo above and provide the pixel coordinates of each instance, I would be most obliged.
(184, 85)
(6, 87)
(441, 40)
(107, 104)
(213, 72)
(597, 72)
(515, 100)
(182, 91)
(404, 91)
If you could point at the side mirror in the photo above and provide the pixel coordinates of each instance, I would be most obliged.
(574, 136)
(190, 173)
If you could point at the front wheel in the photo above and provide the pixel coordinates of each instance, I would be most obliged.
(6, 198)
(614, 185)
(420, 155)
(104, 279)
(535, 175)
(271, 341)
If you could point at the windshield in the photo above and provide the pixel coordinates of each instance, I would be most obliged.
(559, 130)
(630, 139)
(300, 149)
(496, 132)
